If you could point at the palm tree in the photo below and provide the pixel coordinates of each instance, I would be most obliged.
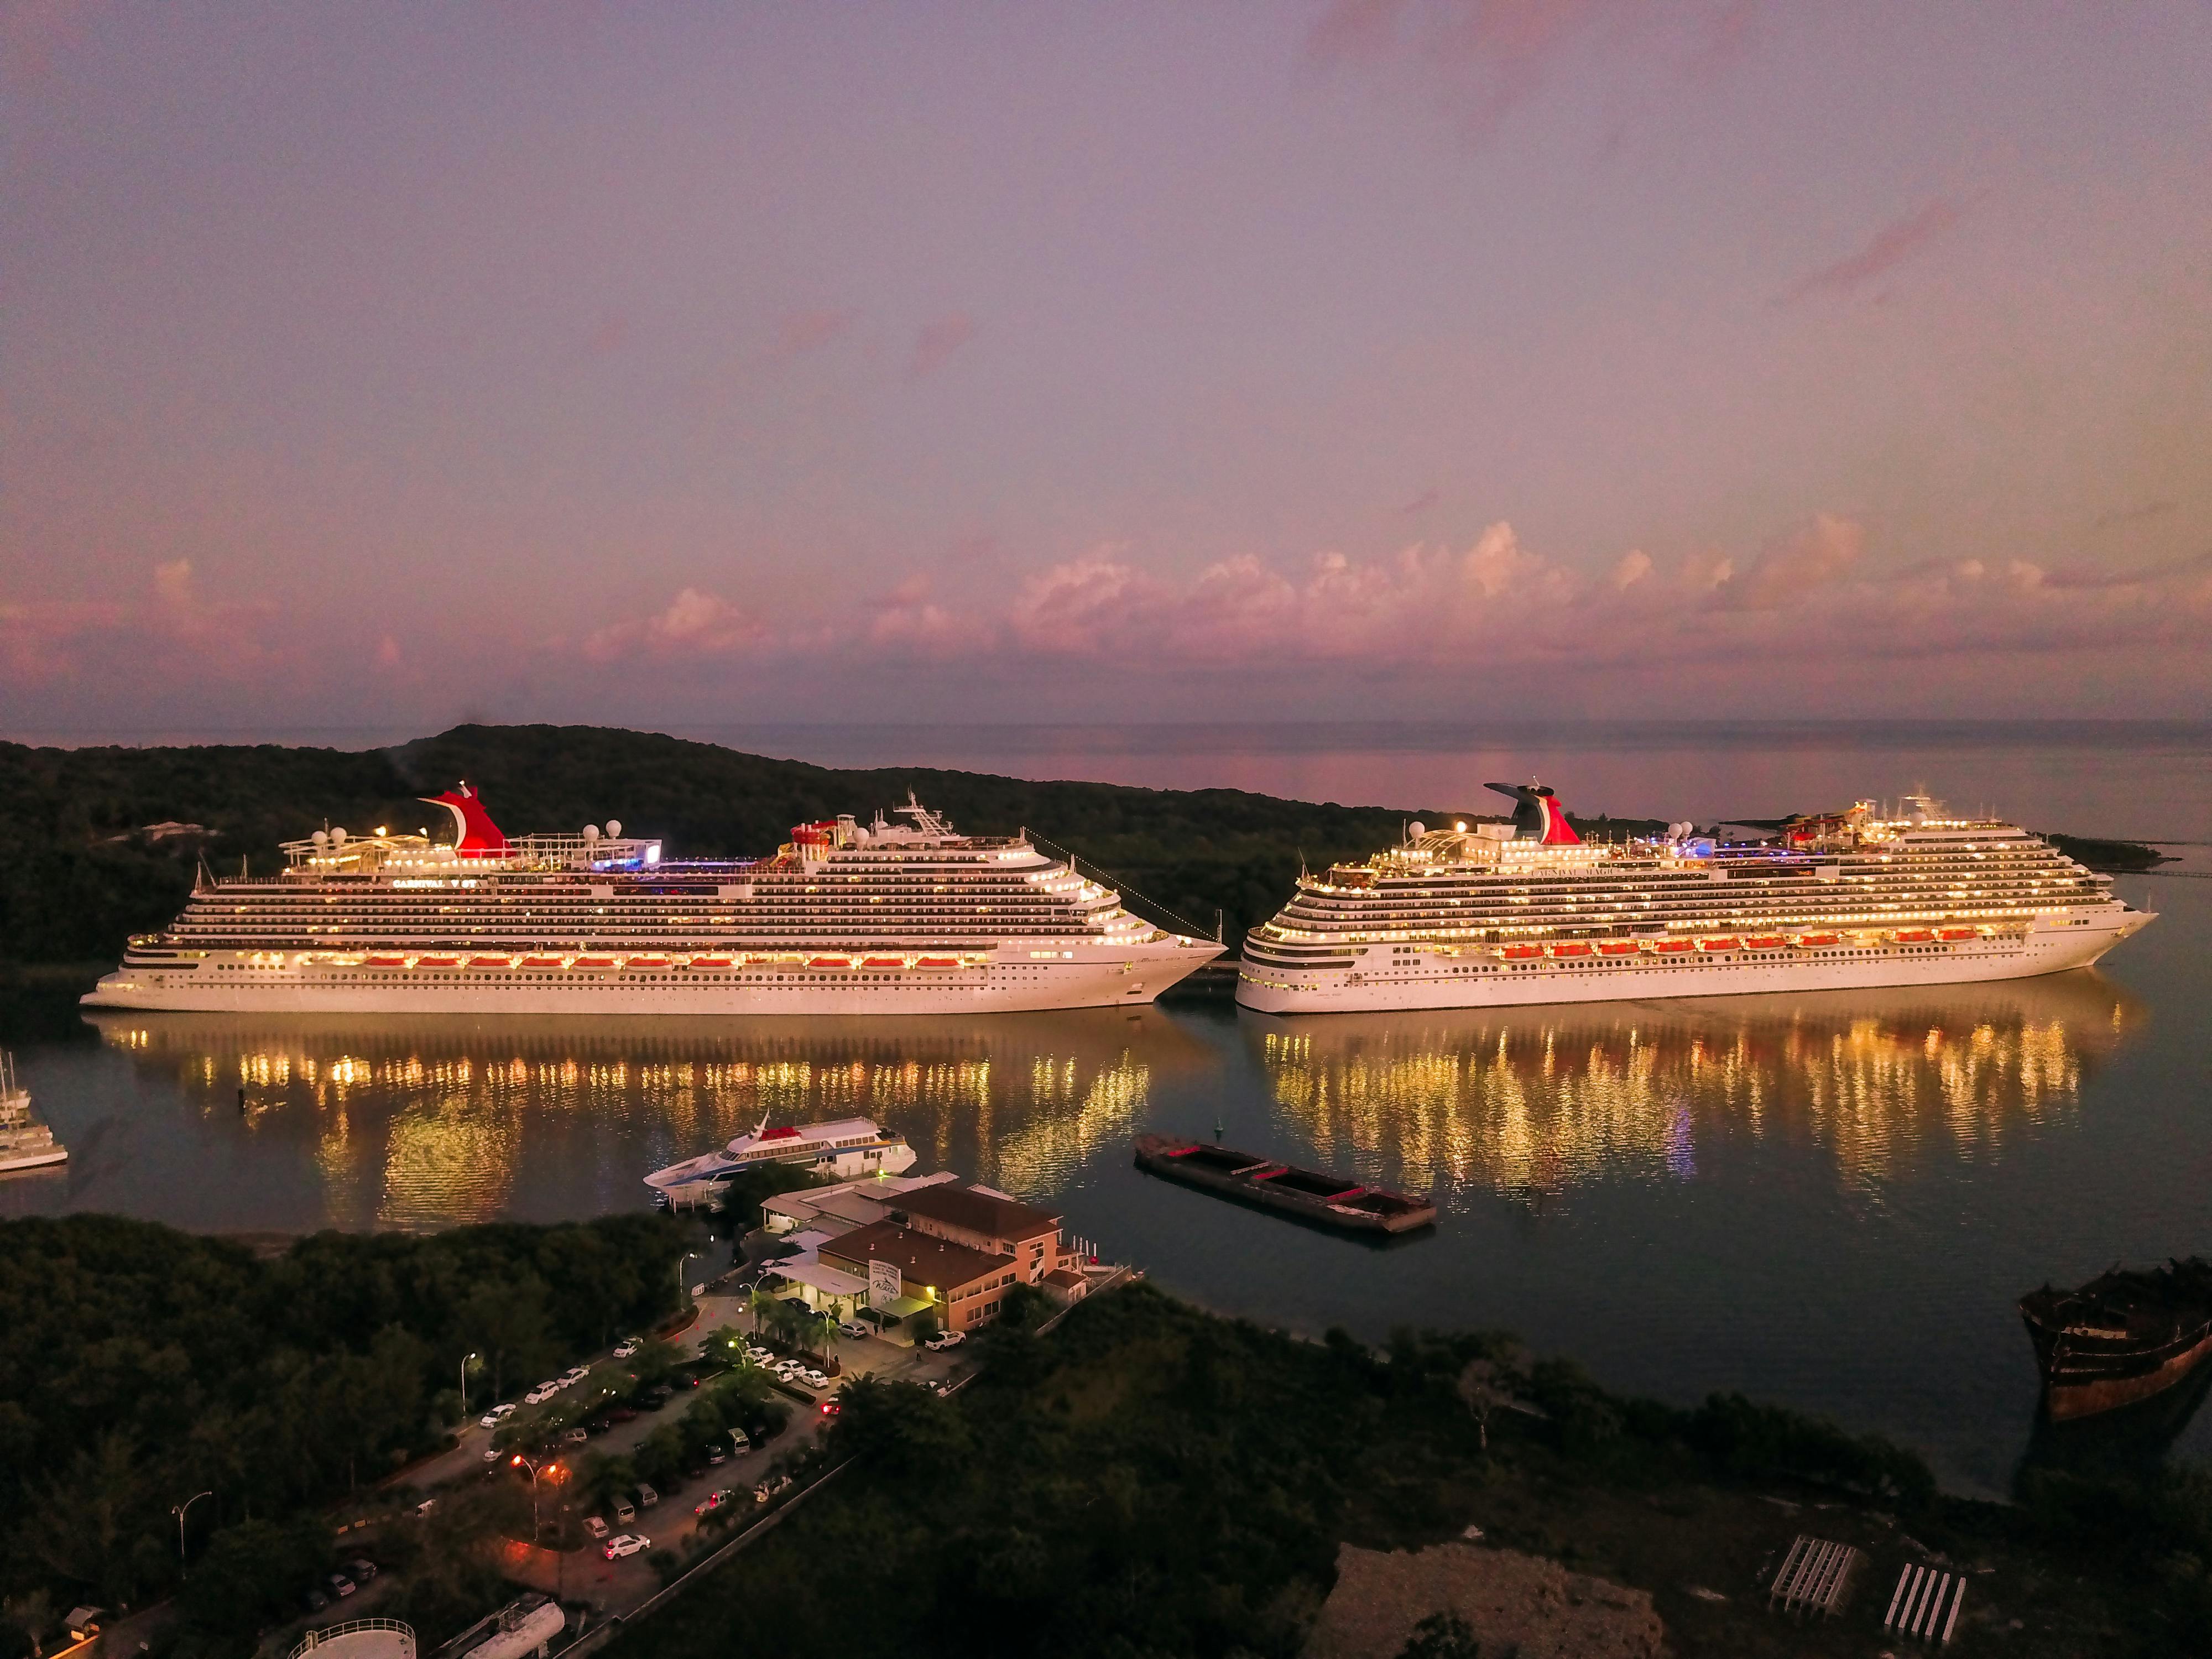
(762, 1303)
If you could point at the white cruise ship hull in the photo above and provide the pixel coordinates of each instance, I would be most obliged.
(1473, 980)
(246, 983)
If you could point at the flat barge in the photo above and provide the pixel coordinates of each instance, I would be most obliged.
(1310, 1194)
(2122, 1337)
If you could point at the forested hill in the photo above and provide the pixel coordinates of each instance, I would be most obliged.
(101, 843)
(86, 863)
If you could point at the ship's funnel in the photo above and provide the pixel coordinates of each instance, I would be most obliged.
(1538, 815)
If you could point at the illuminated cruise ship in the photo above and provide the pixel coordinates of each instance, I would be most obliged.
(904, 917)
(1486, 914)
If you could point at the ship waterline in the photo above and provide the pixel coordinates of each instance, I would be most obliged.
(1527, 914)
(896, 918)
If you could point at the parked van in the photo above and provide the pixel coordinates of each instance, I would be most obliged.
(625, 1512)
(646, 1497)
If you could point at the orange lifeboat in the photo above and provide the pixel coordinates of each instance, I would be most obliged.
(1815, 941)
(830, 962)
(1913, 936)
(437, 961)
(710, 961)
(1617, 948)
(492, 962)
(1576, 949)
(541, 962)
(1519, 952)
(595, 961)
(884, 961)
(1716, 945)
(937, 962)
(648, 962)
(1765, 942)
(1671, 947)
(1958, 935)
(387, 962)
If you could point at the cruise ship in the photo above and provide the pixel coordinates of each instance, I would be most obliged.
(1493, 913)
(842, 1149)
(897, 917)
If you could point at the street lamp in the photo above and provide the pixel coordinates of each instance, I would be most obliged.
(464, 1385)
(532, 1464)
(682, 1296)
(178, 1511)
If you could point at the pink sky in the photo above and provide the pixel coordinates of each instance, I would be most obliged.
(369, 365)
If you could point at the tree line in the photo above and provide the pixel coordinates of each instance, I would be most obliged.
(89, 866)
(140, 1365)
(1151, 1480)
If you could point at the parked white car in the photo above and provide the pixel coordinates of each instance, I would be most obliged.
(627, 1543)
(853, 1327)
(628, 1347)
(944, 1340)
(495, 1416)
(815, 1379)
(574, 1374)
(541, 1393)
(595, 1527)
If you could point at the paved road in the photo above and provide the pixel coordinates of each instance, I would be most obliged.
(617, 1586)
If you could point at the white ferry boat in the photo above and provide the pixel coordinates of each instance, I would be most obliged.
(1486, 914)
(893, 917)
(843, 1149)
(25, 1143)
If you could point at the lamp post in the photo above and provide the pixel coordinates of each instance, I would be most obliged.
(682, 1295)
(532, 1464)
(464, 1385)
(180, 1510)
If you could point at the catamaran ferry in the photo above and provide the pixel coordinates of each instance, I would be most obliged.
(901, 917)
(843, 1149)
(1528, 912)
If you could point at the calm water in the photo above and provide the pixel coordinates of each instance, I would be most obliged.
(1829, 1201)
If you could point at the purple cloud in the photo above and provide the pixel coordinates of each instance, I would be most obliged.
(1483, 58)
(802, 331)
(937, 341)
(1893, 244)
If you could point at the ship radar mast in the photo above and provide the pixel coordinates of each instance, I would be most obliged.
(925, 822)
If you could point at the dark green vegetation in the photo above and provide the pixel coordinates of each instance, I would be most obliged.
(1149, 1480)
(2113, 857)
(85, 874)
(139, 1365)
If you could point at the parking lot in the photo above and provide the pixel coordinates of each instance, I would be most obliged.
(583, 1572)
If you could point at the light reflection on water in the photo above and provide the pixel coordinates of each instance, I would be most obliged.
(416, 1123)
(1536, 1103)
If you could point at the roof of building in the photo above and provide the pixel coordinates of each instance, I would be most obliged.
(924, 1260)
(979, 1212)
(1062, 1276)
(804, 1201)
(859, 1208)
(822, 1276)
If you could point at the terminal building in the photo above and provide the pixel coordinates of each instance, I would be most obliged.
(901, 1245)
